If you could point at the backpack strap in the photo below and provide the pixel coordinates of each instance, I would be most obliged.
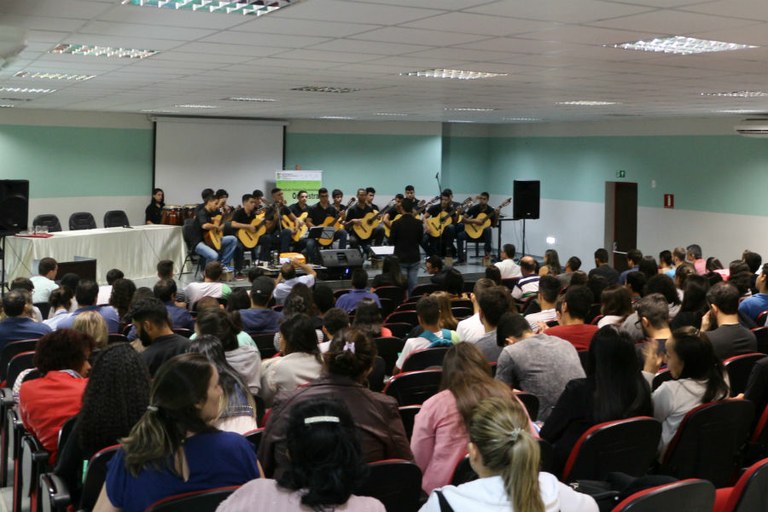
(444, 505)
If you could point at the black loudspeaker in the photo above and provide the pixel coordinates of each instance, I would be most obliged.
(339, 263)
(14, 206)
(526, 199)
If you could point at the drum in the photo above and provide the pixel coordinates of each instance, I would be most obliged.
(172, 215)
(188, 212)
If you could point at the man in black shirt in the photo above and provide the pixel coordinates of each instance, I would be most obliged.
(243, 219)
(318, 215)
(602, 268)
(204, 222)
(355, 217)
(471, 218)
(444, 212)
(280, 237)
(405, 236)
(153, 214)
(150, 318)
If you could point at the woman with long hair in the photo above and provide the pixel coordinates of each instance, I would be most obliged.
(174, 447)
(326, 464)
(60, 301)
(506, 458)
(694, 305)
(121, 297)
(613, 389)
(116, 396)
(439, 437)
(391, 275)
(698, 377)
(94, 325)
(447, 320)
(346, 367)
(615, 305)
(238, 410)
(551, 265)
(368, 319)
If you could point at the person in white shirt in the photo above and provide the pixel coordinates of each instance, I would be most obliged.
(210, 287)
(472, 329)
(507, 265)
(549, 289)
(506, 458)
(428, 313)
(288, 278)
(44, 283)
(105, 292)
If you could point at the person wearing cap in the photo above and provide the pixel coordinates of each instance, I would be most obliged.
(471, 218)
(259, 317)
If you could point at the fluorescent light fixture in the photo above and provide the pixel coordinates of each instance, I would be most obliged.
(102, 51)
(336, 117)
(319, 88)
(740, 111)
(587, 103)
(5, 105)
(551, 240)
(459, 121)
(52, 76)
(158, 111)
(456, 74)
(243, 7)
(469, 109)
(737, 94)
(194, 105)
(252, 100)
(390, 114)
(680, 45)
(28, 90)
(520, 119)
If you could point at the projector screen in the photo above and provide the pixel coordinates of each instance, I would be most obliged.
(237, 155)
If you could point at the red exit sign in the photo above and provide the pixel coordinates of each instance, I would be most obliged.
(669, 200)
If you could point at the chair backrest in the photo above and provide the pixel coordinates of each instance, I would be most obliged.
(584, 360)
(738, 368)
(388, 348)
(463, 472)
(65, 431)
(377, 375)
(395, 482)
(11, 350)
(628, 446)
(510, 282)
(749, 493)
(424, 289)
(708, 442)
(387, 306)
(761, 333)
(116, 337)
(181, 331)
(81, 220)
(413, 388)
(341, 291)
(54, 495)
(394, 293)
(408, 415)
(95, 475)
(660, 378)
(193, 501)
(426, 358)
(44, 307)
(49, 220)
(399, 329)
(462, 312)
(254, 436)
(265, 341)
(116, 219)
(690, 495)
(188, 233)
(34, 462)
(408, 317)
(760, 319)
(530, 402)
(18, 364)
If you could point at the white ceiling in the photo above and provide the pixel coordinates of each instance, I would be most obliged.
(552, 51)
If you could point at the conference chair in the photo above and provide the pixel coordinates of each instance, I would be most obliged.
(11, 350)
(661, 377)
(34, 462)
(387, 306)
(627, 446)
(399, 329)
(254, 436)
(17, 364)
(463, 472)
(188, 233)
(424, 289)
(423, 359)
(408, 317)
(341, 291)
(116, 219)
(388, 348)
(761, 333)
(530, 402)
(408, 415)
(739, 368)
(750, 492)
(692, 495)
(48, 220)
(265, 342)
(413, 388)
(81, 220)
(461, 312)
(709, 442)
(395, 293)
(377, 375)
(394, 482)
(196, 500)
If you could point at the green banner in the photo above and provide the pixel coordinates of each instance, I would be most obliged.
(293, 181)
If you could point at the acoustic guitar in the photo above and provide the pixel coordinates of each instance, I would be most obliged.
(370, 221)
(212, 237)
(250, 239)
(298, 230)
(475, 231)
(417, 210)
(336, 223)
(437, 224)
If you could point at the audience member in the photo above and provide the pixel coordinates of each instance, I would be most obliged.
(70, 282)
(616, 305)
(44, 282)
(368, 320)
(92, 324)
(665, 263)
(334, 320)
(22, 283)
(659, 284)
(105, 292)
(174, 447)
(454, 283)
(150, 318)
(288, 278)
(507, 265)
(603, 269)
(346, 366)
(349, 301)
(391, 275)
(634, 257)
(432, 335)
(86, 293)
(536, 363)
(694, 255)
(322, 296)
(325, 466)
(694, 304)
(164, 269)
(472, 329)
(635, 283)
(493, 303)
(756, 304)
(18, 324)
(572, 265)
(729, 338)
(494, 274)
(574, 309)
(121, 297)
(549, 289)
(648, 266)
(653, 316)
(210, 287)
(507, 457)
(528, 284)
(165, 291)
(445, 302)
(551, 265)
(260, 317)
(60, 301)
(753, 260)
(436, 269)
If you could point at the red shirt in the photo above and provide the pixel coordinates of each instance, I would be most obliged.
(46, 403)
(579, 335)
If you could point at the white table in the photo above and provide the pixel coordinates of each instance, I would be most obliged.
(135, 251)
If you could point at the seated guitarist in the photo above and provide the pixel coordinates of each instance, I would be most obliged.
(300, 211)
(243, 219)
(441, 245)
(471, 218)
(204, 222)
(318, 215)
(280, 238)
(355, 216)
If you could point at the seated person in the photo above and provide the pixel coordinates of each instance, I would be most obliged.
(86, 293)
(18, 324)
(165, 290)
(210, 287)
(349, 301)
(44, 283)
(428, 313)
(259, 317)
(288, 278)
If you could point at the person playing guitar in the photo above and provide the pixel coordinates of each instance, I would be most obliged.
(207, 236)
(324, 214)
(251, 225)
(477, 215)
(299, 226)
(361, 215)
(440, 226)
(280, 236)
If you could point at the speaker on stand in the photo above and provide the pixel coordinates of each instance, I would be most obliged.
(14, 215)
(527, 199)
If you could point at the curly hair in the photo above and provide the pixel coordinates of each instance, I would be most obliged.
(65, 349)
(122, 295)
(342, 359)
(115, 398)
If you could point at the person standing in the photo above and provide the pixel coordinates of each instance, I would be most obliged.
(405, 236)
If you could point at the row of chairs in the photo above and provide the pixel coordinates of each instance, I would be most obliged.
(82, 220)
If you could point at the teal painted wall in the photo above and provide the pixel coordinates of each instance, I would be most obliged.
(725, 174)
(72, 161)
(385, 162)
(466, 164)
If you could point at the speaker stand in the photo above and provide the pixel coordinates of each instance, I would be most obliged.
(523, 236)
(2, 272)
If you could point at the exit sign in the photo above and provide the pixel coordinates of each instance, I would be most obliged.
(621, 174)
(669, 200)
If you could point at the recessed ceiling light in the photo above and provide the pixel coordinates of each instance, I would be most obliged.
(29, 90)
(459, 121)
(318, 88)
(253, 100)
(390, 114)
(52, 76)
(3, 105)
(741, 111)
(247, 7)
(102, 51)
(158, 111)
(336, 117)
(737, 94)
(469, 109)
(680, 45)
(587, 103)
(457, 74)
(194, 105)
(520, 119)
